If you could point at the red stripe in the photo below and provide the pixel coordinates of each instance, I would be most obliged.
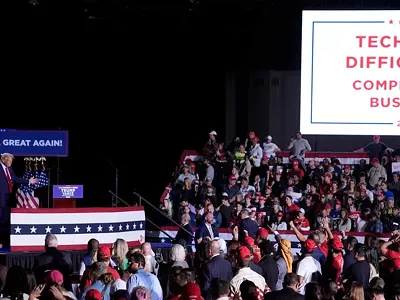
(34, 203)
(286, 154)
(65, 247)
(227, 230)
(20, 198)
(27, 198)
(76, 210)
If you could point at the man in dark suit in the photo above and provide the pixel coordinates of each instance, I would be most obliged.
(291, 284)
(216, 268)
(7, 181)
(53, 259)
(187, 234)
(247, 224)
(206, 231)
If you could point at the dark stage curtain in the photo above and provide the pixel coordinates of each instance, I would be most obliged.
(26, 259)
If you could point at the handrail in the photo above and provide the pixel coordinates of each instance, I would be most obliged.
(159, 228)
(157, 209)
(147, 219)
(119, 198)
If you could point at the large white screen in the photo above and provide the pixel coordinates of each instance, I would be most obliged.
(350, 73)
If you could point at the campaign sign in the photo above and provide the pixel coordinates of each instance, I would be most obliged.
(67, 191)
(34, 143)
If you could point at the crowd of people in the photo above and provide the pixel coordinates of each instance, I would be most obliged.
(248, 188)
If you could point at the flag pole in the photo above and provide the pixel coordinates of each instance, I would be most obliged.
(48, 189)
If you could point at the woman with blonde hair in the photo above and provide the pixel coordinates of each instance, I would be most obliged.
(119, 255)
(356, 292)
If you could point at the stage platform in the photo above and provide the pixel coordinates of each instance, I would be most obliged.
(27, 259)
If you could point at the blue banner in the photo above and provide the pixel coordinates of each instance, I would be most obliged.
(34, 143)
(67, 191)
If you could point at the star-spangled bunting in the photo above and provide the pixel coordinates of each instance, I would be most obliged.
(30, 229)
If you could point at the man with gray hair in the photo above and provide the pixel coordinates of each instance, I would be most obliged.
(216, 267)
(53, 259)
(7, 181)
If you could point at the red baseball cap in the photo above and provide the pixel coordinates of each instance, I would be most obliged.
(258, 194)
(191, 291)
(248, 240)
(263, 233)
(280, 214)
(244, 253)
(337, 244)
(54, 276)
(93, 294)
(232, 177)
(104, 253)
(310, 245)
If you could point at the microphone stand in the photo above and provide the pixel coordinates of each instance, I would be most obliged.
(116, 181)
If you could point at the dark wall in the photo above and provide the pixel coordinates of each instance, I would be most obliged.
(273, 99)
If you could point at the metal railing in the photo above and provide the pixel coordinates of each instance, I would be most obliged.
(146, 203)
(114, 204)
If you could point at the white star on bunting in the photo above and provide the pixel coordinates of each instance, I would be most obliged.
(134, 225)
(127, 226)
(110, 228)
(141, 225)
(120, 227)
(33, 229)
(62, 229)
(76, 229)
(88, 229)
(17, 229)
(48, 229)
(100, 228)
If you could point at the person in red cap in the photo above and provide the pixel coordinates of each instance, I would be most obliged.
(262, 235)
(335, 260)
(249, 241)
(103, 255)
(308, 268)
(243, 258)
(191, 291)
(374, 149)
(248, 143)
(296, 170)
(93, 294)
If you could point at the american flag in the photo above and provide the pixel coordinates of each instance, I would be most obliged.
(25, 193)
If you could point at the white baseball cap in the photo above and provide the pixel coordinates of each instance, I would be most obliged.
(269, 137)
(213, 132)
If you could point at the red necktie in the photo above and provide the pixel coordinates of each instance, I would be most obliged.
(9, 180)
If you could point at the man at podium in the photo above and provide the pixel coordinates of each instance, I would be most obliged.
(7, 182)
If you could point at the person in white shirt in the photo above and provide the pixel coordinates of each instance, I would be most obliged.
(245, 273)
(256, 152)
(246, 188)
(308, 268)
(269, 148)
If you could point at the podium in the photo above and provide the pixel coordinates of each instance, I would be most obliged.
(64, 196)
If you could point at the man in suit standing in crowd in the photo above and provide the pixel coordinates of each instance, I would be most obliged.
(7, 181)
